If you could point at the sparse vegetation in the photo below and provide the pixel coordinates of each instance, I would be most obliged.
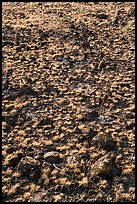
(68, 102)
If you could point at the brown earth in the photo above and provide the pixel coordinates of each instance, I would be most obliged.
(68, 101)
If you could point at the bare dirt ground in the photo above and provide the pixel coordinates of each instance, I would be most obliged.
(68, 101)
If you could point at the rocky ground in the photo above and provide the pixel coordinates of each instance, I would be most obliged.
(68, 101)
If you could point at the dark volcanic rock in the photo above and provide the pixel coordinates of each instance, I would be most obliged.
(105, 142)
(105, 167)
(68, 93)
(102, 16)
(90, 116)
(45, 121)
(30, 167)
(52, 157)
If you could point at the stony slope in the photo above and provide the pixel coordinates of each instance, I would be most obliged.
(68, 101)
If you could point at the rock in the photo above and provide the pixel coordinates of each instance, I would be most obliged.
(130, 124)
(9, 107)
(105, 167)
(26, 91)
(90, 116)
(102, 16)
(104, 142)
(10, 149)
(52, 157)
(11, 120)
(46, 121)
(9, 72)
(22, 15)
(131, 12)
(5, 127)
(30, 167)
(5, 84)
(39, 3)
(43, 35)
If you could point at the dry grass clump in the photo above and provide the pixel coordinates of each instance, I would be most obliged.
(84, 182)
(57, 197)
(13, 189)
(64, 181)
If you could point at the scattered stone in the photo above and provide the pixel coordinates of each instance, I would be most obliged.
(9, 107)
(90, 116)
(52, 157)
(5, 127)
(105, 167)
(104, 142)
(130, 124)
(9, 72)
(102, 16)
(44, 35)
(5, 84)
(45, 121)
(11, 119)
(10, 149)
(30, 167)
(26, 91)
